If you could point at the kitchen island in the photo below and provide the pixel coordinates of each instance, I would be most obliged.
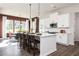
(47, 43)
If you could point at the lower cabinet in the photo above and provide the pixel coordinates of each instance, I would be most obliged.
(62, 39)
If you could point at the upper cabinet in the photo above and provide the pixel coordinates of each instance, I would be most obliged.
(53, 18)
(63, 20)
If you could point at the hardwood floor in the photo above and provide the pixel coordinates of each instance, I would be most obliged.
(12, 49)
(66, 50)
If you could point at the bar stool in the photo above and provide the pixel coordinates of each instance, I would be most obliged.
(23, 41)
(33, 45)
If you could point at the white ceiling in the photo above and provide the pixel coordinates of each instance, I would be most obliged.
(22, 9)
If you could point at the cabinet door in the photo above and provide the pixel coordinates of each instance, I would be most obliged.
(53, 18)
(62, 38)
(59, 38)
(63, 20)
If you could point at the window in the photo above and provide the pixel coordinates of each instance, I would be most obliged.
(9, 27)
(16, 26)
(22, 26)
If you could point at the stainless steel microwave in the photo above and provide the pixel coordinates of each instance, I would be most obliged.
(53, 25)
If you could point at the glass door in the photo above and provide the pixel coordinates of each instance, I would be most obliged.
(16, 26)
(9, 26)
(23, 26)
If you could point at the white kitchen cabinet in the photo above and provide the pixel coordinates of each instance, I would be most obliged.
(54, 18)
(63, 20)
(44, 24)
(47, 44)
(62, 38)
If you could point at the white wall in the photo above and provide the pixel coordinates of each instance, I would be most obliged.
(72, 28)
(77, 27)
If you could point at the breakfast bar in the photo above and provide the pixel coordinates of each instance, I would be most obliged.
(47, 43)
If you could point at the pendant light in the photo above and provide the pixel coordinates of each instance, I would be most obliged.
(30, 11)
(39, 10)
(31, 28)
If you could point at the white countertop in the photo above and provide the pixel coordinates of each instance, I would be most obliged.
(44, 34)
